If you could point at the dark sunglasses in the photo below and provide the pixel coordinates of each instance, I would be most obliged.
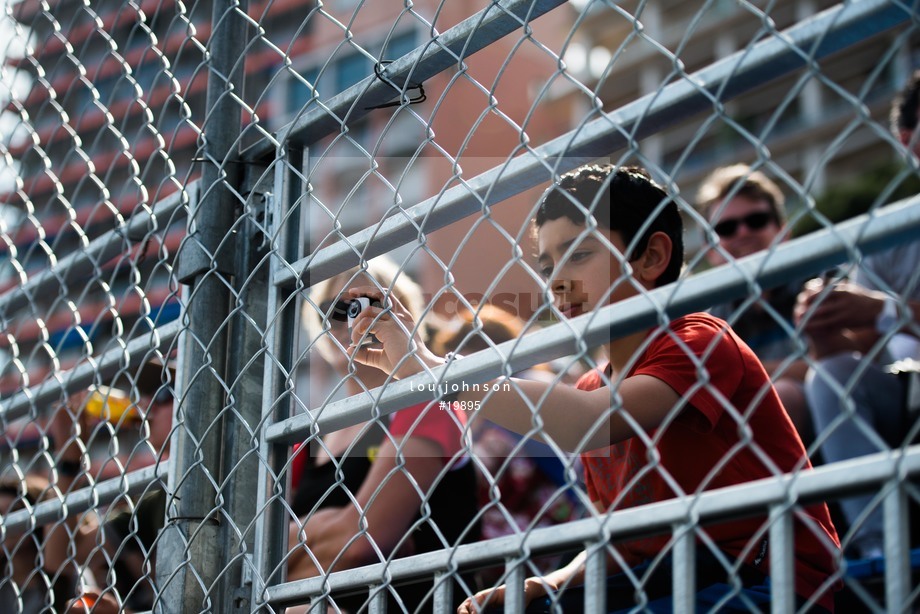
(754, 221)
(335, 310)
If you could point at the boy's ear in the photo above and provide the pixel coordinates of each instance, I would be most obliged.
(655, 259)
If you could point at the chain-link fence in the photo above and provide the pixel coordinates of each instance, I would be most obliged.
(198, 416)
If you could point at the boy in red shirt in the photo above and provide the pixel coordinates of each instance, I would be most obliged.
(690, 390)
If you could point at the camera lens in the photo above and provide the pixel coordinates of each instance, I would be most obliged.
(354, 308)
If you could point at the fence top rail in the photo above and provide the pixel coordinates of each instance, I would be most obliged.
(852, 476)
(498, 19)
(774, 57)
(81, 264)
(89, 497)
(798, 258)
(84, 374)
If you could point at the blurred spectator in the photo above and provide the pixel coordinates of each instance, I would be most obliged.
(856, 329)
(113, 552)
(31, 583)
(747, 211)
(904, 115)
(361, 490)
(528, 476)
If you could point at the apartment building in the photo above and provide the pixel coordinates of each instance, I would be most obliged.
(815, 125)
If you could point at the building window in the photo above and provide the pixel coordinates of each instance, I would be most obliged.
(299, 90)
(398, 46)
(350, 70)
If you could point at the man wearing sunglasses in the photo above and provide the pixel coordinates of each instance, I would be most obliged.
(747, 212)
(856, 328)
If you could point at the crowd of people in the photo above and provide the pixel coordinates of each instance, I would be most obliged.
(848, 393)
(703, 401)
(101, 560)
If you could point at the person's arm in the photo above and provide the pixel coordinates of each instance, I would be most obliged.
(389, 498)
(848, 306)
(67, 431)
(567, 415)
(535, 587)
(844, 319)
(578, 420)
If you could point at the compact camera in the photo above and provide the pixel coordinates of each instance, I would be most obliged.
(356, 306)
(347, 311)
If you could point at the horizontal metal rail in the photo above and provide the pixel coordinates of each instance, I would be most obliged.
(81, 264)
(499, 19)
(796, 259)
(90, 497)
(80, 377)
(751, 498)
(826, 33)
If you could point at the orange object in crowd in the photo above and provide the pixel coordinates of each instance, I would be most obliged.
(110, 404)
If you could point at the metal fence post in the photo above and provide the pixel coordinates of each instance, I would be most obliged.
(782, 572)
(684, 568)
(190, 556)
(246, 376)
(285, 229)
(897, 548)
(596, 577)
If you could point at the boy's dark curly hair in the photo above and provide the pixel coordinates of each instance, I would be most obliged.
(623, 199)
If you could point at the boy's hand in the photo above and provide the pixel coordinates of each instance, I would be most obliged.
(534, 588)
(389, 324)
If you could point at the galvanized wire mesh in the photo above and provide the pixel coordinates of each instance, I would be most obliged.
(189, 190)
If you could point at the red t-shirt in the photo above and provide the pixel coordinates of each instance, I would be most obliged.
(729, 394)
(425, 420)
(428, 421)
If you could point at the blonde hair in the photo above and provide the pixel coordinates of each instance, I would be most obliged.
(380, 271)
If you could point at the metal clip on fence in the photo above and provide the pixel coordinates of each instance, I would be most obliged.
(417, 100)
